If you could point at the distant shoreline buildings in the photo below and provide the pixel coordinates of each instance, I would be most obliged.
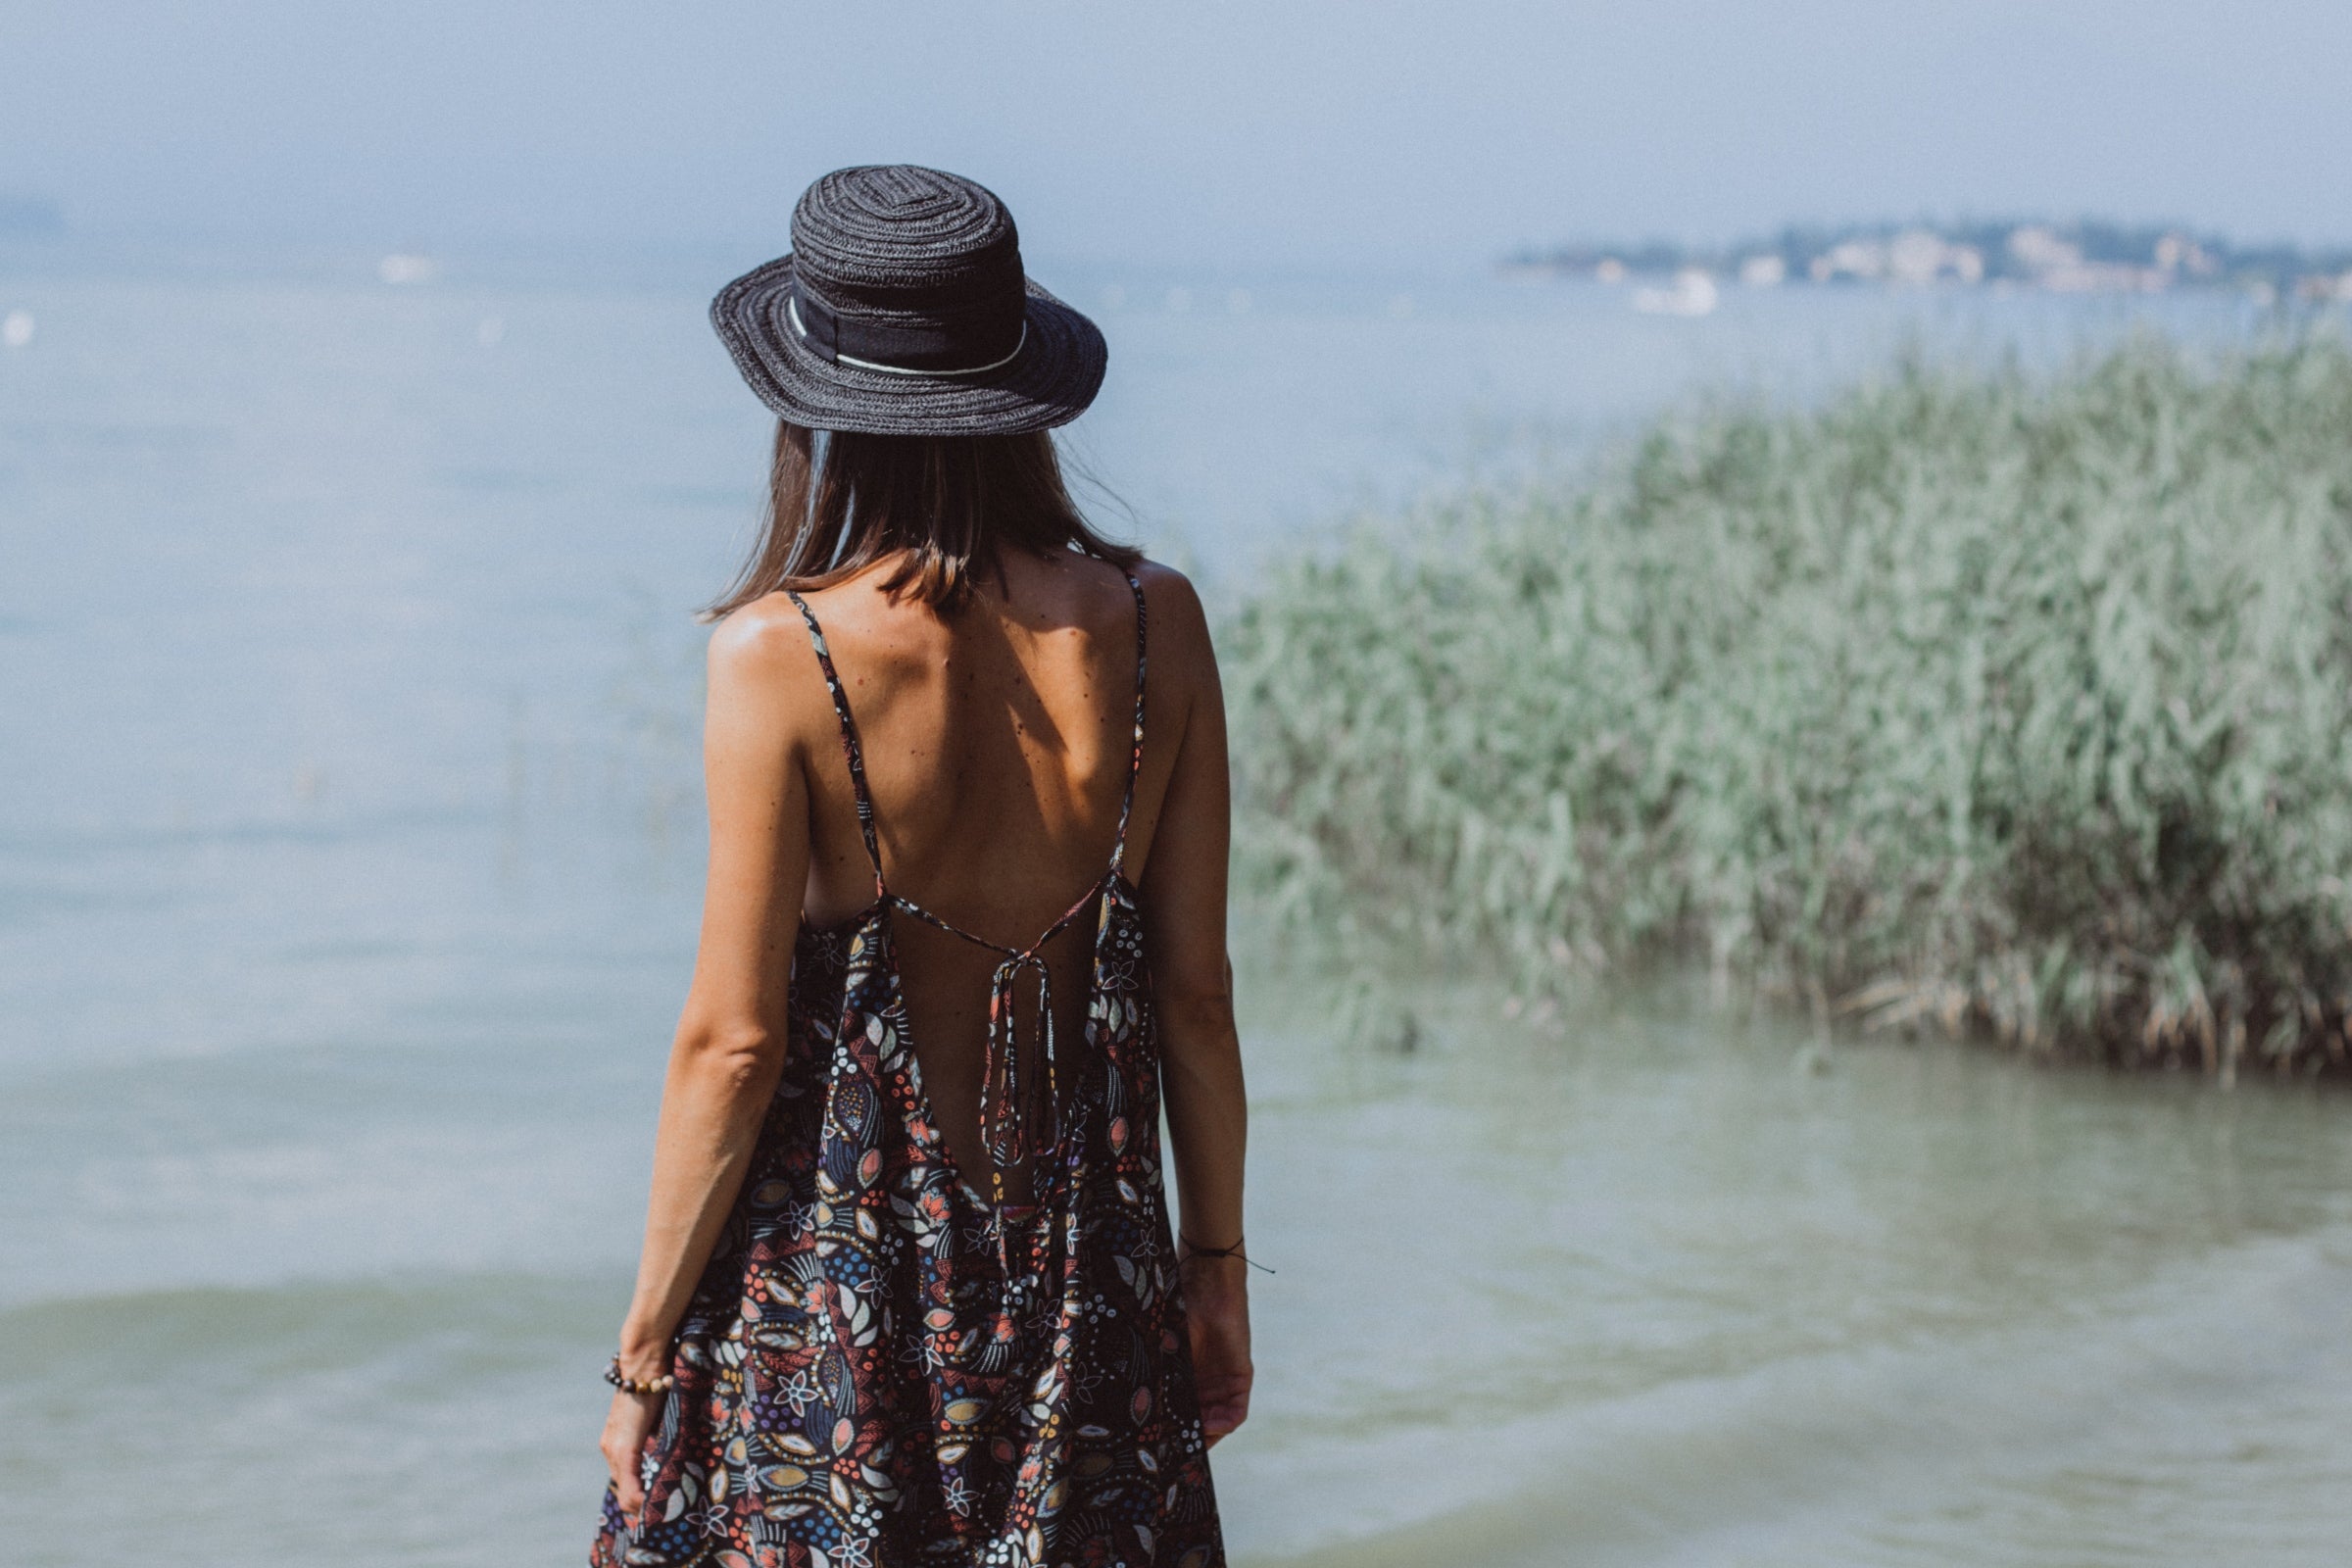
(2079, 258)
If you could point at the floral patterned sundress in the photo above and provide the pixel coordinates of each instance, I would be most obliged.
(882, 1369)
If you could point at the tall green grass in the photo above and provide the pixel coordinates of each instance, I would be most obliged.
(1972, 701)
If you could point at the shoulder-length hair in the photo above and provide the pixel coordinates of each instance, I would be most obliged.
(949, 506)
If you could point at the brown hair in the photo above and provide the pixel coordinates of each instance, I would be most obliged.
(950, 502)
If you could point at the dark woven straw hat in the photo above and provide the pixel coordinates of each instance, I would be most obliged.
(902, 309)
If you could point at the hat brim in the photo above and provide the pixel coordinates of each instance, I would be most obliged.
(1048, 383)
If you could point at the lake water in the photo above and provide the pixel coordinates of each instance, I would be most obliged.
(349, 847)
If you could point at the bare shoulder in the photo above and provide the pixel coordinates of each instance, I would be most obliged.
(870, 632)
(762, 670)
(1180, 638)
(761, 638)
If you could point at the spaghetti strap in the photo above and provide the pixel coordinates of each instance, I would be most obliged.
(856, 756)
(1135, 757)
(849, 742)
(1002, 1121)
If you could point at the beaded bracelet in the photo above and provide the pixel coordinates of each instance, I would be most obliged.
(629, 1385)
(1195, 1250)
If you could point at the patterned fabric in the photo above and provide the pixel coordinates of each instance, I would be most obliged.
(882, 1369)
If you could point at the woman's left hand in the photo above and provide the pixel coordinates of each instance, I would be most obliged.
(1216, 1308)
(626, 1427)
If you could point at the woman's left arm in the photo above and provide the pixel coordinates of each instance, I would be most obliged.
(730, 1042)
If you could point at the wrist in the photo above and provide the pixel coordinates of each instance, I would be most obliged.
(1208, 1277)
(1205, 1246)
(1215, 1273)
(644, 1351)
(1205, 1262)
(1214, 1287)
(657, 1387)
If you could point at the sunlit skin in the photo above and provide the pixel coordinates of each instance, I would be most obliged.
(997, 741)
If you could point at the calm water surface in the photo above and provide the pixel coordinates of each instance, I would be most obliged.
(349, 854)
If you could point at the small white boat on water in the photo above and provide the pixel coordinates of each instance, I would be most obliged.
(1691, 293)
(408, 268)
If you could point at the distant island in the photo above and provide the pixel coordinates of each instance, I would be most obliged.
(2082, 257)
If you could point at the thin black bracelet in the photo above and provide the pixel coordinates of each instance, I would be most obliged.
(1195, 1250)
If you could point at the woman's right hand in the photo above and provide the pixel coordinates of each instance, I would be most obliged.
(1217, 1302)
(627, 1425)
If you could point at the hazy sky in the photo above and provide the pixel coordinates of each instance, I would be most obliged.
(1273, 132)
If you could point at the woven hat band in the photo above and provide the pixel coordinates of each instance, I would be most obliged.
(976, 340)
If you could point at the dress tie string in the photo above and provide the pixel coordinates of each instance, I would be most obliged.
(1007, 1133)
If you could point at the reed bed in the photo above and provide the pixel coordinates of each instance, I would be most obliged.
(1967, 701)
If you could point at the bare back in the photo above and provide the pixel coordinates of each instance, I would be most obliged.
(997, 744)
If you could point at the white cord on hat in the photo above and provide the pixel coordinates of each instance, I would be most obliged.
(792, 308)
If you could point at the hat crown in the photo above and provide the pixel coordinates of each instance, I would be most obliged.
(891, 238)
(902, 308)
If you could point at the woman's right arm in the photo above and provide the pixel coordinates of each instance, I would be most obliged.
(729, 1047)
(1183, 891)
